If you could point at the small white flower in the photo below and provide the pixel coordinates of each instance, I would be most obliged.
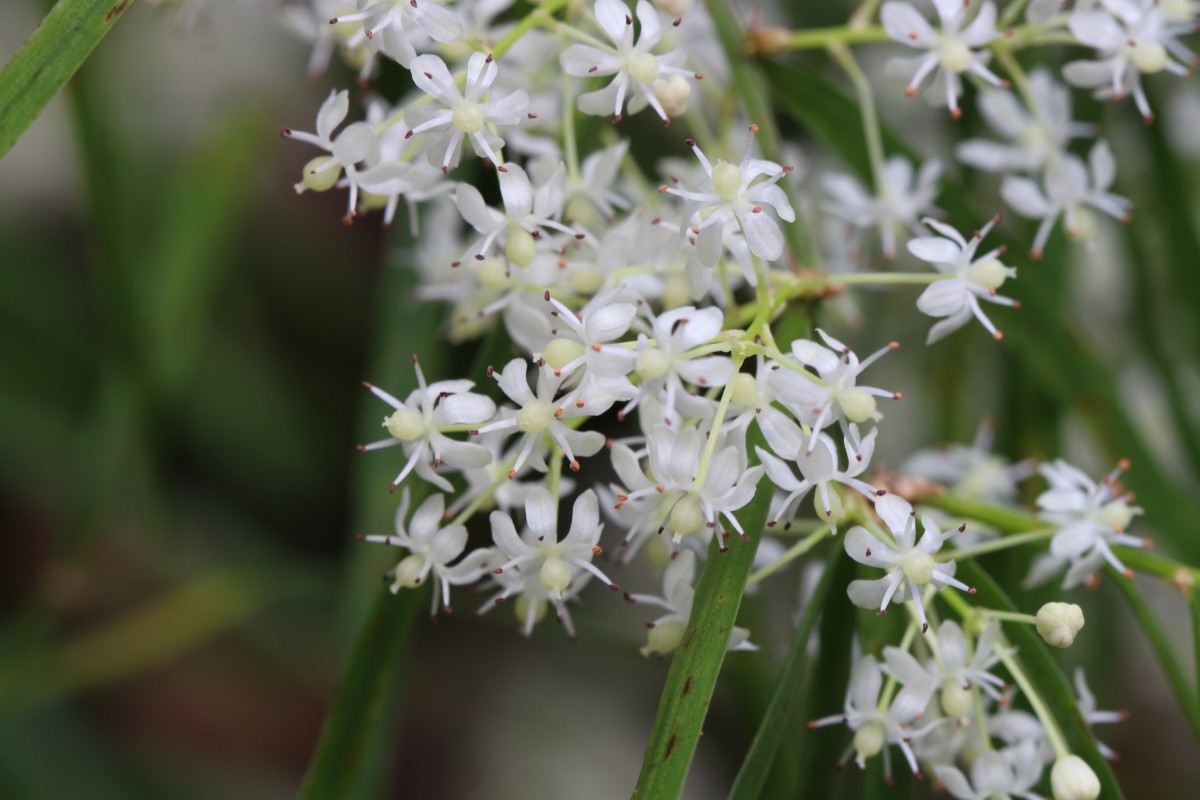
(973, 472)
(873, 729)
(733, 192)
(666, 632)
(432, 547)
(1132, 40)
(463, 113)
(539, 552)
(540, 416)
(356, 144)
(417, 425)
(902, 200)
(836, 397)
(1091, 518)
(1072, 779)
(635, 67)
(664, 364)
(952, 51)
(818, 467)
(910, 564)
(395, 24)
(968, 279)
(1070, 188)
(953, 673)
(583, 354)
(1059, 623)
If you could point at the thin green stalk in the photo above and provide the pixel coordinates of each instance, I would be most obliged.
(815, 38)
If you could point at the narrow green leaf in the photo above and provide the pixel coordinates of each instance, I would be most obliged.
(1055, 690)
(1055, 353)
(692, 677)
(1161, 644)
(358, 709)
(763, 749)
(48, 58)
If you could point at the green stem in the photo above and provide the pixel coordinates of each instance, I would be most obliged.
(795, 551)
(844, 35)
(542, 15)
(995, 545)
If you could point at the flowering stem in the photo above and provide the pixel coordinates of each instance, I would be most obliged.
(555, 477)
(906, 643)
(791, 554)
(570, 146)
(1035, 699)
(994, 545)
(1010, 616)
(870, 118)
(542, 15)
(844, 34)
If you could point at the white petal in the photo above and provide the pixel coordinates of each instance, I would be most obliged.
(707, 371)
(437, 21)
(540, 514)
(474, 210)
(449, 543)
(516, 191)
(578, 60)
(609, 322)
(611, 15)
(1025, 197)
(895, 512)
(466, 409)
(944, 297)
(585, 520)
(1096, 29)
(858, 542)
(431, 76)
(935, 250)
(906, 25)
(427, 518)
(505, 535)
(331, 113)
(763, 236)
(1104, 166)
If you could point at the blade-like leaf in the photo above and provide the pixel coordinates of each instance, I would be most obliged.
(49, 58)
(696, 664)
(757, 764)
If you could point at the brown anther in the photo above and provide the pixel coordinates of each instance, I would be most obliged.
(574, 466)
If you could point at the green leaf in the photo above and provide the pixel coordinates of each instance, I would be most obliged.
(785, 699)
(357, 714)
(1038, 663)
(1161, 644)
(696, 664)
(55, 49)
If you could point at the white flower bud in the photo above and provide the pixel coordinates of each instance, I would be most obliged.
(673, 93)
(1148, 57)
(555, 575)
(956, 701)
(687, 515)
(1058, 623)
(652, 363)
(561, 352)
(664, 638)
(316, 179)
(1072, 779)
(520, 246)
(745, 389)
(953, 55)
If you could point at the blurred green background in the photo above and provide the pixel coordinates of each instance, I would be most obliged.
(182, 341)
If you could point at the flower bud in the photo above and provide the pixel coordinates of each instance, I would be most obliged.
(868, 741)
(520, 248)
(956, 701)
(673, 93)
(652, 363)
(745, 389)
(687, 515)
(1058, 623)
(1072, 779)
(560, 352)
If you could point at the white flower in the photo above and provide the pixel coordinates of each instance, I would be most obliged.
(518, 227)
(394, 24)
(539, 552)
(432, 547)
(953, 673)
(355, 144)
(1091, 518)
(968, 279)
(818, 467)
(1093, 716)
(873, 730)
(684, 505)
(463, 113)
(952, 51)
(539, 416)
(583, 353)
(664, 364)
(1069, 190)
(1011, 772)
(1132, 40)
(903, 199)
(910, 564)
(666, 632)
(973, 472)
(836, 397)
(636, 68)
(417, 425)
(734, 192)
(1036, 136)
(1058, 623)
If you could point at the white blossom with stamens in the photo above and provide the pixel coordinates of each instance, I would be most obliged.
(663, 365)
(967, 281)
(909, 563)
(873, 729)
(953, 51)
(635, 67)
(1132, 40)
(432, 546)
(418, 422)
(1091, 518)
(538, 550)
(664, 633)
(952, 673)
(903, 198)
(834, 398)
(1035, 136)
(972, 472)
(357, 143)
(733, 192)
(540, 416)
(463, 113)
(818, 468)
(684, 506)
(519, 226)
(1071, 189)
(583, 352)
(394, 25)
(531, 599)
